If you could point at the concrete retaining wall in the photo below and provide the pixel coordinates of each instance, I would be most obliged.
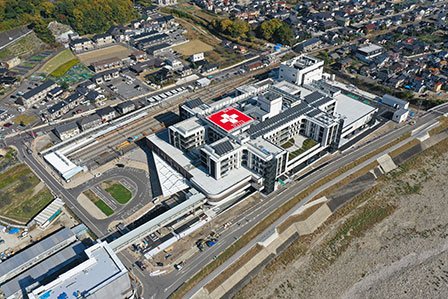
(314, 221)
(274, 245)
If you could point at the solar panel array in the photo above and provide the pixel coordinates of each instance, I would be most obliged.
(274, 122)
(223, 147)
(193, 103)
(313, 97)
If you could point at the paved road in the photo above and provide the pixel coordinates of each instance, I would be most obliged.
(163, 286)
(99, 227)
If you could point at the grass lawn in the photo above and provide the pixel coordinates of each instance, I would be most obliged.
(64, 68)
(19, 200)
(119, 192)
(192, 47)
(307, 144)
(25, 119)
(288, 143)
(99, 203)
(54, 63)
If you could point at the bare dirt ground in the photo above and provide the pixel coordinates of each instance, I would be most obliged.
(390, 242)
(118, 51)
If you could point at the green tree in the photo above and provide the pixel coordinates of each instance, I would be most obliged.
(267, 29)
(224, 25)
(239, 28)
(284, 35)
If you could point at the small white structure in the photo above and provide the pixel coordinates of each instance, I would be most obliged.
(197, 57)
(367, 53)
(66, 168)
(301, 70)
(400, 115)
(49, 214)
(394, 102)
(203, 82)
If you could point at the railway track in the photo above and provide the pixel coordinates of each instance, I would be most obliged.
(116, 141)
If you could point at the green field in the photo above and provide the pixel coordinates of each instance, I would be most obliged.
(19, 198)
(57, 61)
(119, 192)
(99, 203)
(64, 68)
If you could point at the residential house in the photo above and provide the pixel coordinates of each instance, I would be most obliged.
(105, 76)
(174, 63)
(94, 96)
(138, 68)
(139, 56)
(57, 110)
(309, 45)
(55, 93)
(106, 113)
(166, 2)
(104, 39)
(197, 57)
(185, 71)
(107, 64)
(36, 94)
(89, 122)
(81, 45)
(125, 107)
(159, 50)
(66, 131)
(74, 100)
(253, 66)
(8, 81)
(157, 39)
(208, 68)
(119, 33)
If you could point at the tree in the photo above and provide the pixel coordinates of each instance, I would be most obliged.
(85, 16)
(224, 25)
(284, 35)
(239, 28)
(267, 29)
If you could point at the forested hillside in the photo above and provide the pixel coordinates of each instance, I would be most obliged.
(85, 16)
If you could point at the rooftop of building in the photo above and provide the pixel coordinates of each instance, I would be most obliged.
(264, 148)
(101, 267)
(351, 109)
(206, 183)
(303, 61)
(66, 127)
(229, 119)
(370, 48)
(47, 84)
(47, 268)
(288, 87)
(27, 255)
(191, 124)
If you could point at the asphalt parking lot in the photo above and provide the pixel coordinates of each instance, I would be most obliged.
(128, 88)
